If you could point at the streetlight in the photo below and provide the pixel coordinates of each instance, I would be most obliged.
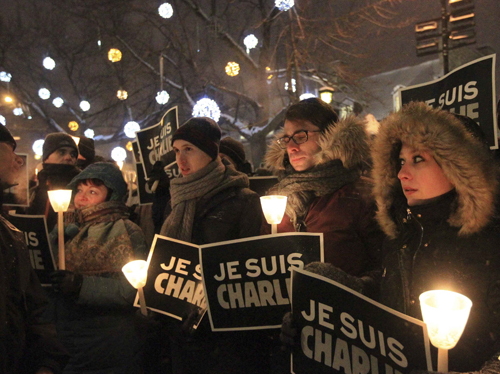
(273, 207)
(136, 273)
(446, 314)
(59, 199)
(326, 94)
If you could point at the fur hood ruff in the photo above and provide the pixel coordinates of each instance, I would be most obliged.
(465, 161)
(345, 140)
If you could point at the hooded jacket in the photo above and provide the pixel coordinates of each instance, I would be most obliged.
(345, 216)
(451, 241)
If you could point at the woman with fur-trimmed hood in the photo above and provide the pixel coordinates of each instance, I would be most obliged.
(319, 161)
(436, 187)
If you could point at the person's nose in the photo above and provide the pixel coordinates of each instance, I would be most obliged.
(292, 146)
(404, 173)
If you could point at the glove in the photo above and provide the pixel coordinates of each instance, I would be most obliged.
(189, 321)
(66, 282)
(288, 334)
(158, 174)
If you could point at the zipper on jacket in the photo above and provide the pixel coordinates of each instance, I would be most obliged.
(404, 276)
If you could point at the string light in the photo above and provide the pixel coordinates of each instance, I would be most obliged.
(206, 108)
(232, 69)
(37, 146)
(131, 128)
(18, 111)
(49, 63)
(129, 146)
(89, 133)
(5, 77)
(8, 99)
(250, 42)
(284, 5)
(2, 120)
(162, 97)
(122, 94)
(44, 93)
(84, 105)
(114, 55)
(73, 125)
(165, 10)
(119, 154)
(58, 102)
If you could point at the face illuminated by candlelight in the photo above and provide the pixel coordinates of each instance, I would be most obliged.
(89, 193)
(420, 175)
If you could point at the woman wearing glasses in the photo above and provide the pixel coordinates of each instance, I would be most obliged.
(319, 161)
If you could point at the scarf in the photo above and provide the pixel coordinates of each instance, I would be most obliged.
(301, 188)
(187, 191)
(102, 244)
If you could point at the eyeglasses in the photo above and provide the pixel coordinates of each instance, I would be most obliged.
(299, 137)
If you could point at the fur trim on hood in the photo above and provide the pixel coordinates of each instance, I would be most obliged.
(345, 140)
(466, 162)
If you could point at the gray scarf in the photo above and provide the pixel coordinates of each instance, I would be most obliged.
(303, 187)
(185, 193)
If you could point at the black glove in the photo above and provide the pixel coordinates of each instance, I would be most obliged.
(336, 274)
(66, 282)
(288, 334)
(157, 173)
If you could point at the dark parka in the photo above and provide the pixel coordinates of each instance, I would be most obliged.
(450, 242)
(346, 217)
(22, 303)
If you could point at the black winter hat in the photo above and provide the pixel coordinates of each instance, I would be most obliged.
(203, 132)
(87, 148)
(55, 141)
(233, 149)
(6, 136)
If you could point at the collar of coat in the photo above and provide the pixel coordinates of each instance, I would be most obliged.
(465, 161)
(345, 140)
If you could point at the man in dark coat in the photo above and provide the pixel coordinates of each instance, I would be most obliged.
(320, 162)
(60, 154)
(27, 345)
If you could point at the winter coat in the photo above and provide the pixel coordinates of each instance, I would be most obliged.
(100, 326)
(346, 217)
(26, 342)
(233, 213)
(449, 242)
(51, 177)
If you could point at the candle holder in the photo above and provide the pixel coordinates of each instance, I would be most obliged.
(136, 273)
(273, 207)
(60, 199)
(446, 314)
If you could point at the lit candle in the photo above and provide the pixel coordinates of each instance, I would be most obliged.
(136, 273)
(446, 314)
(273, 207)
(60, 199)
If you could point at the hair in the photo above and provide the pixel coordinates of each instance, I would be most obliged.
(97, 183)
(313, 110)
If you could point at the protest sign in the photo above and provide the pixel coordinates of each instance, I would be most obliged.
(18, 195)
(468, 90)
(246, 280)
(174, 286)
(262, 184)
(342, 331)
(36, 237)
(155, 141)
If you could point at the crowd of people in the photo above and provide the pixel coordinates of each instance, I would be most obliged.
(411, 210)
